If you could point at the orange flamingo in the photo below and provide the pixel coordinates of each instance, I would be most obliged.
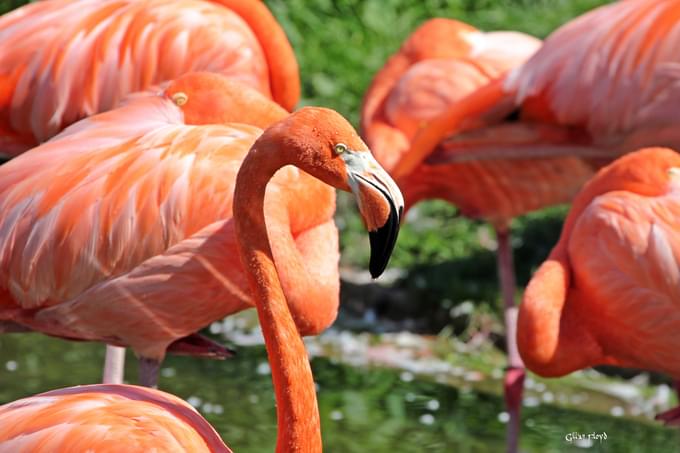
(608, 292)
(438, 65)
(120, 229)
(63, 60)
(112, 417)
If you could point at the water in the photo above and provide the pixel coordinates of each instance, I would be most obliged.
(362, 410)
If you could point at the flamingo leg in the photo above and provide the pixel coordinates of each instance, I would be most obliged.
(671, 417)
(148, 372)
(12, 327)
(514, 375)
(114, 365)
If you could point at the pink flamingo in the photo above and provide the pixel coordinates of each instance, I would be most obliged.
(121, 228)
(113, 417)
(608, 292)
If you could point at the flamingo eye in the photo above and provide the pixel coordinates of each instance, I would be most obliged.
(180, 98)
(340, 148)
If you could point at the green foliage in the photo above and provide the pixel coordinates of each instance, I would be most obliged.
(341, 44)
(9, 5)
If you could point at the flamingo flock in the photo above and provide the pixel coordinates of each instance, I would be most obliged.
(161, 179)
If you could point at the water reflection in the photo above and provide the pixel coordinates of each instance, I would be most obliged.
(361, 410)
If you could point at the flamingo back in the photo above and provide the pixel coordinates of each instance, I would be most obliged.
(613, 71)
(625, 252)
(105, 418)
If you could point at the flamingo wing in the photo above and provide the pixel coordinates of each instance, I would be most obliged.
(73, 213)
(63, 60)
(438, 65)
(625, 253)
(613, 71)
(105, 418)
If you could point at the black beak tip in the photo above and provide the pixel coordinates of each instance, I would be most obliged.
(382, 242)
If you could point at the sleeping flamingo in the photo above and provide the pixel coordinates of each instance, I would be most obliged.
(600, 86)
(609, 291)
(439, 64)
(134, 419)
(63, 60)
(120, 229)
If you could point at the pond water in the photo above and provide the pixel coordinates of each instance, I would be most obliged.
(362, 410)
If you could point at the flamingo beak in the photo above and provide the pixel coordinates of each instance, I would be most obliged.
(380, 203)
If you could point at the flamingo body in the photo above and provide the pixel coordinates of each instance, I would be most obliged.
(323, 145)
(120, 228)
(105, 418)
(608, 294)
(63, 60)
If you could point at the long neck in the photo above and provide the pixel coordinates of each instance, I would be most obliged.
(297, 412)
(552, 340)
(283, 68)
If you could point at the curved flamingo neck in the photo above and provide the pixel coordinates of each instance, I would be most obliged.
(552, 339)
(284, 76)
(299, 427)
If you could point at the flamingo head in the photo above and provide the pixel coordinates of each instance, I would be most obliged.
(209, 98)
(323, 143)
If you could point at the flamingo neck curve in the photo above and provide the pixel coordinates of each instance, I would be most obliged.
(284, 77)
(299, 428)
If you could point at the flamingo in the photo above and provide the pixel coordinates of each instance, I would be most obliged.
(63, 60)
(442, 62)
(608, 292)
(319, 142)
(120, 229)
(600, 86)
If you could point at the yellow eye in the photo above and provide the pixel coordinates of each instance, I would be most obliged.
(180, 98)
(340, 148)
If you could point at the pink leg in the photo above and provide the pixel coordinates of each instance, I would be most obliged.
(514, 375)
(114, 365)
(12, 327)
(148, 372)
(672, 416)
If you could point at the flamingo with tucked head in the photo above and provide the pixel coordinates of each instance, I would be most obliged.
(609, 291)
(121, 228)
(113, 417)
(63, 60)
